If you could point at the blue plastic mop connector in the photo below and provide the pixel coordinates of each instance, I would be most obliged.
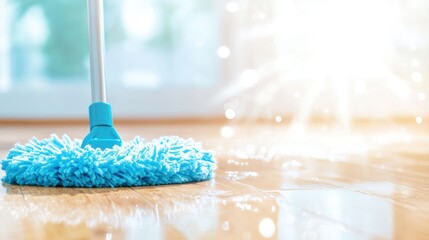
(102, 133)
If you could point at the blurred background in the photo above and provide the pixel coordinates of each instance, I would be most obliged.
(266, 60)
(287, 64)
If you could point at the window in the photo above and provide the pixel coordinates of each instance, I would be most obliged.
(266, 59)
(160, 58)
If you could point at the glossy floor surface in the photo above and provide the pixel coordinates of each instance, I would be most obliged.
(273, 182)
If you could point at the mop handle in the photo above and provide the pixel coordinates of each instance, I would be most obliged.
(96, 48)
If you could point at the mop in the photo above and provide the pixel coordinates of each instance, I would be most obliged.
(102, 159)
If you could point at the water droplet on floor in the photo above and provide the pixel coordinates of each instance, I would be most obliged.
(225, 226)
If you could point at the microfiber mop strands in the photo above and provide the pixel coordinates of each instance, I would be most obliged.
(63, 162)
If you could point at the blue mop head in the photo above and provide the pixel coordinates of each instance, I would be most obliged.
(63, 162)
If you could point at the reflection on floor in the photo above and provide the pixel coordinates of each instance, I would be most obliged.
(272, 182)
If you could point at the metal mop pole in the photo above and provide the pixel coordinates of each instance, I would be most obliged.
(102, 133)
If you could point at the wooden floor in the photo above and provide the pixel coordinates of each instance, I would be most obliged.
(273, 181)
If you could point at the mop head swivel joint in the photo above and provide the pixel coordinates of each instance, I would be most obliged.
(102, 133)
